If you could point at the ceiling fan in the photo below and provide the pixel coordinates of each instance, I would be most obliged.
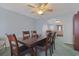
(40, 8)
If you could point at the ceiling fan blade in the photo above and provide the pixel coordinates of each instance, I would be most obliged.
(39, 4)
(45, 4)
(42, 4)
(31, 6)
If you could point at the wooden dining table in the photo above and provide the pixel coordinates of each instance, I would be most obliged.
(31, 43)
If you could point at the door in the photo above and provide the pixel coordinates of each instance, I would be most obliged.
(76, 31)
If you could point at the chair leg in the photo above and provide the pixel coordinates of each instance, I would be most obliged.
(50, 50)
(45, 53)
(54, 45)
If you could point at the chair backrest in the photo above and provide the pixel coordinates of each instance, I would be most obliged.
(51, 37)
(47, 32)
(26, 35)
(54, 36)
(34, 31)
(13, 44)
(34, 34)
(47, 39)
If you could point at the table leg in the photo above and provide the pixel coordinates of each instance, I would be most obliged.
(32, 51)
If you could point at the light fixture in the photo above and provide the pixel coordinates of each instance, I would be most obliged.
(40, 12)
(40, 8)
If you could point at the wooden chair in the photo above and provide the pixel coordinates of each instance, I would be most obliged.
(48, 31)
(48, 43)
(15, 49)
(52, 42)
(26, 35)
(34, 34)
(53, 38)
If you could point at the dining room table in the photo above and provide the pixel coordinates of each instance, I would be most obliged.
(31, 44)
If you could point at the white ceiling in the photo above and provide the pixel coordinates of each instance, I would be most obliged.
(59, 9)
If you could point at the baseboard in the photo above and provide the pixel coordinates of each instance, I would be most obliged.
(68, 43)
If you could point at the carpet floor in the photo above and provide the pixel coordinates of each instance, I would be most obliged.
(61, 50)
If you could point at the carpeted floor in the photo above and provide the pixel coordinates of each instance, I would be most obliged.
(61, 50)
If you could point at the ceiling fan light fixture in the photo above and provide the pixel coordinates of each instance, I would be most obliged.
(40, 8)
(40, 12)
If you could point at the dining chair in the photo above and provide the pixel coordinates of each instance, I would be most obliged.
(52, 42)
(48, 43)
(26, 35)
(54, 37)
(34, 34)
(16, 50)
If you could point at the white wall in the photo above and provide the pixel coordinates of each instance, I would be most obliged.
(11, 22)
(68, 29)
